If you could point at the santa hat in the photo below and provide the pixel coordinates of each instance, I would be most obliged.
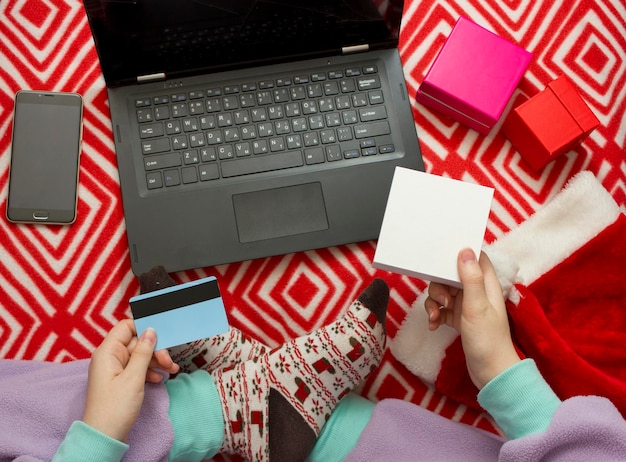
(563, 273)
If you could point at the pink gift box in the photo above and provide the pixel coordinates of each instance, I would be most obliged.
(473, 76)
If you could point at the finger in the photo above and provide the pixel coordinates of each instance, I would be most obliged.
(123, 332)
(432, 308)
(472, 279)
(132, 344)
(162, 360)
(446, 317)
(438, 315)
(142, 354)
(492, 283)
(154, 363)
(440, 293)
(153, 376)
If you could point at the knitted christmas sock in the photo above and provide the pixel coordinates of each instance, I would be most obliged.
(276, 406)
(220, 351)
(223, 351)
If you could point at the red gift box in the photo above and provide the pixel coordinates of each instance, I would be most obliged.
(550, 123)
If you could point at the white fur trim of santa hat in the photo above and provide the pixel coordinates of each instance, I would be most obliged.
(580, 211)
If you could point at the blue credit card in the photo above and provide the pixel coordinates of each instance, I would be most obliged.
(182, 313)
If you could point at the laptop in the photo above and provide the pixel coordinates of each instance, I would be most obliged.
(245, 129)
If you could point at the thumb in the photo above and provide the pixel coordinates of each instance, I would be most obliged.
(142, 354)
(472, 279)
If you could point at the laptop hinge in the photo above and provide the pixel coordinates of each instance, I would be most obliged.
(151, 77)
(355, 49)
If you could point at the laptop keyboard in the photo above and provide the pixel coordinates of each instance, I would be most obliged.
(208, 134)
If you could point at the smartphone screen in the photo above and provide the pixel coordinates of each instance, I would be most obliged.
(45, 154)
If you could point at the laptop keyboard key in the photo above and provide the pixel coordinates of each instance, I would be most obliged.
(190, 175)
(209, 172)
(179, 110)
(370, 130)
(178, 142)
(151, 130)
(314, 156)
(264, 97)
(191, 157)
(172, 127)
(344, 134)
(347, 86)
(373, 113)
(154, 180)
(172, 177)
(294, 142)
(225, 151)
(298, 93)
(369, 82)
(375, 97)
(155, 146)
(162, 113)
(190, 124)
(161, 161)
(144, 115)
(333, 153)
(260, 147)
(277, 144)
(262, 163)
(213, 105)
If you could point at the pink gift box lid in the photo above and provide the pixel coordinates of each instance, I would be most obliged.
(474, 74)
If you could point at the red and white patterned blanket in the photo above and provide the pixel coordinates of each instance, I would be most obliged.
(63, 288)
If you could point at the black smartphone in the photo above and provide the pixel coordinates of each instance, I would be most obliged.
(45, 157)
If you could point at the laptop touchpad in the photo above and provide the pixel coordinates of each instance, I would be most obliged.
(280, 212)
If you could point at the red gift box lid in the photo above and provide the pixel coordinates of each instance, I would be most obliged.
(574, 104)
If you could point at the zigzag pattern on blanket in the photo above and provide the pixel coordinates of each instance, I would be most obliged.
(553, 321)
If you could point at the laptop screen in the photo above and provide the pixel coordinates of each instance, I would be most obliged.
(187, 37)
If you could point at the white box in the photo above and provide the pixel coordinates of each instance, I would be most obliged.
(427, 221)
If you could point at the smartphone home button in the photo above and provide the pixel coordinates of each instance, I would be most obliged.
(40, 216)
